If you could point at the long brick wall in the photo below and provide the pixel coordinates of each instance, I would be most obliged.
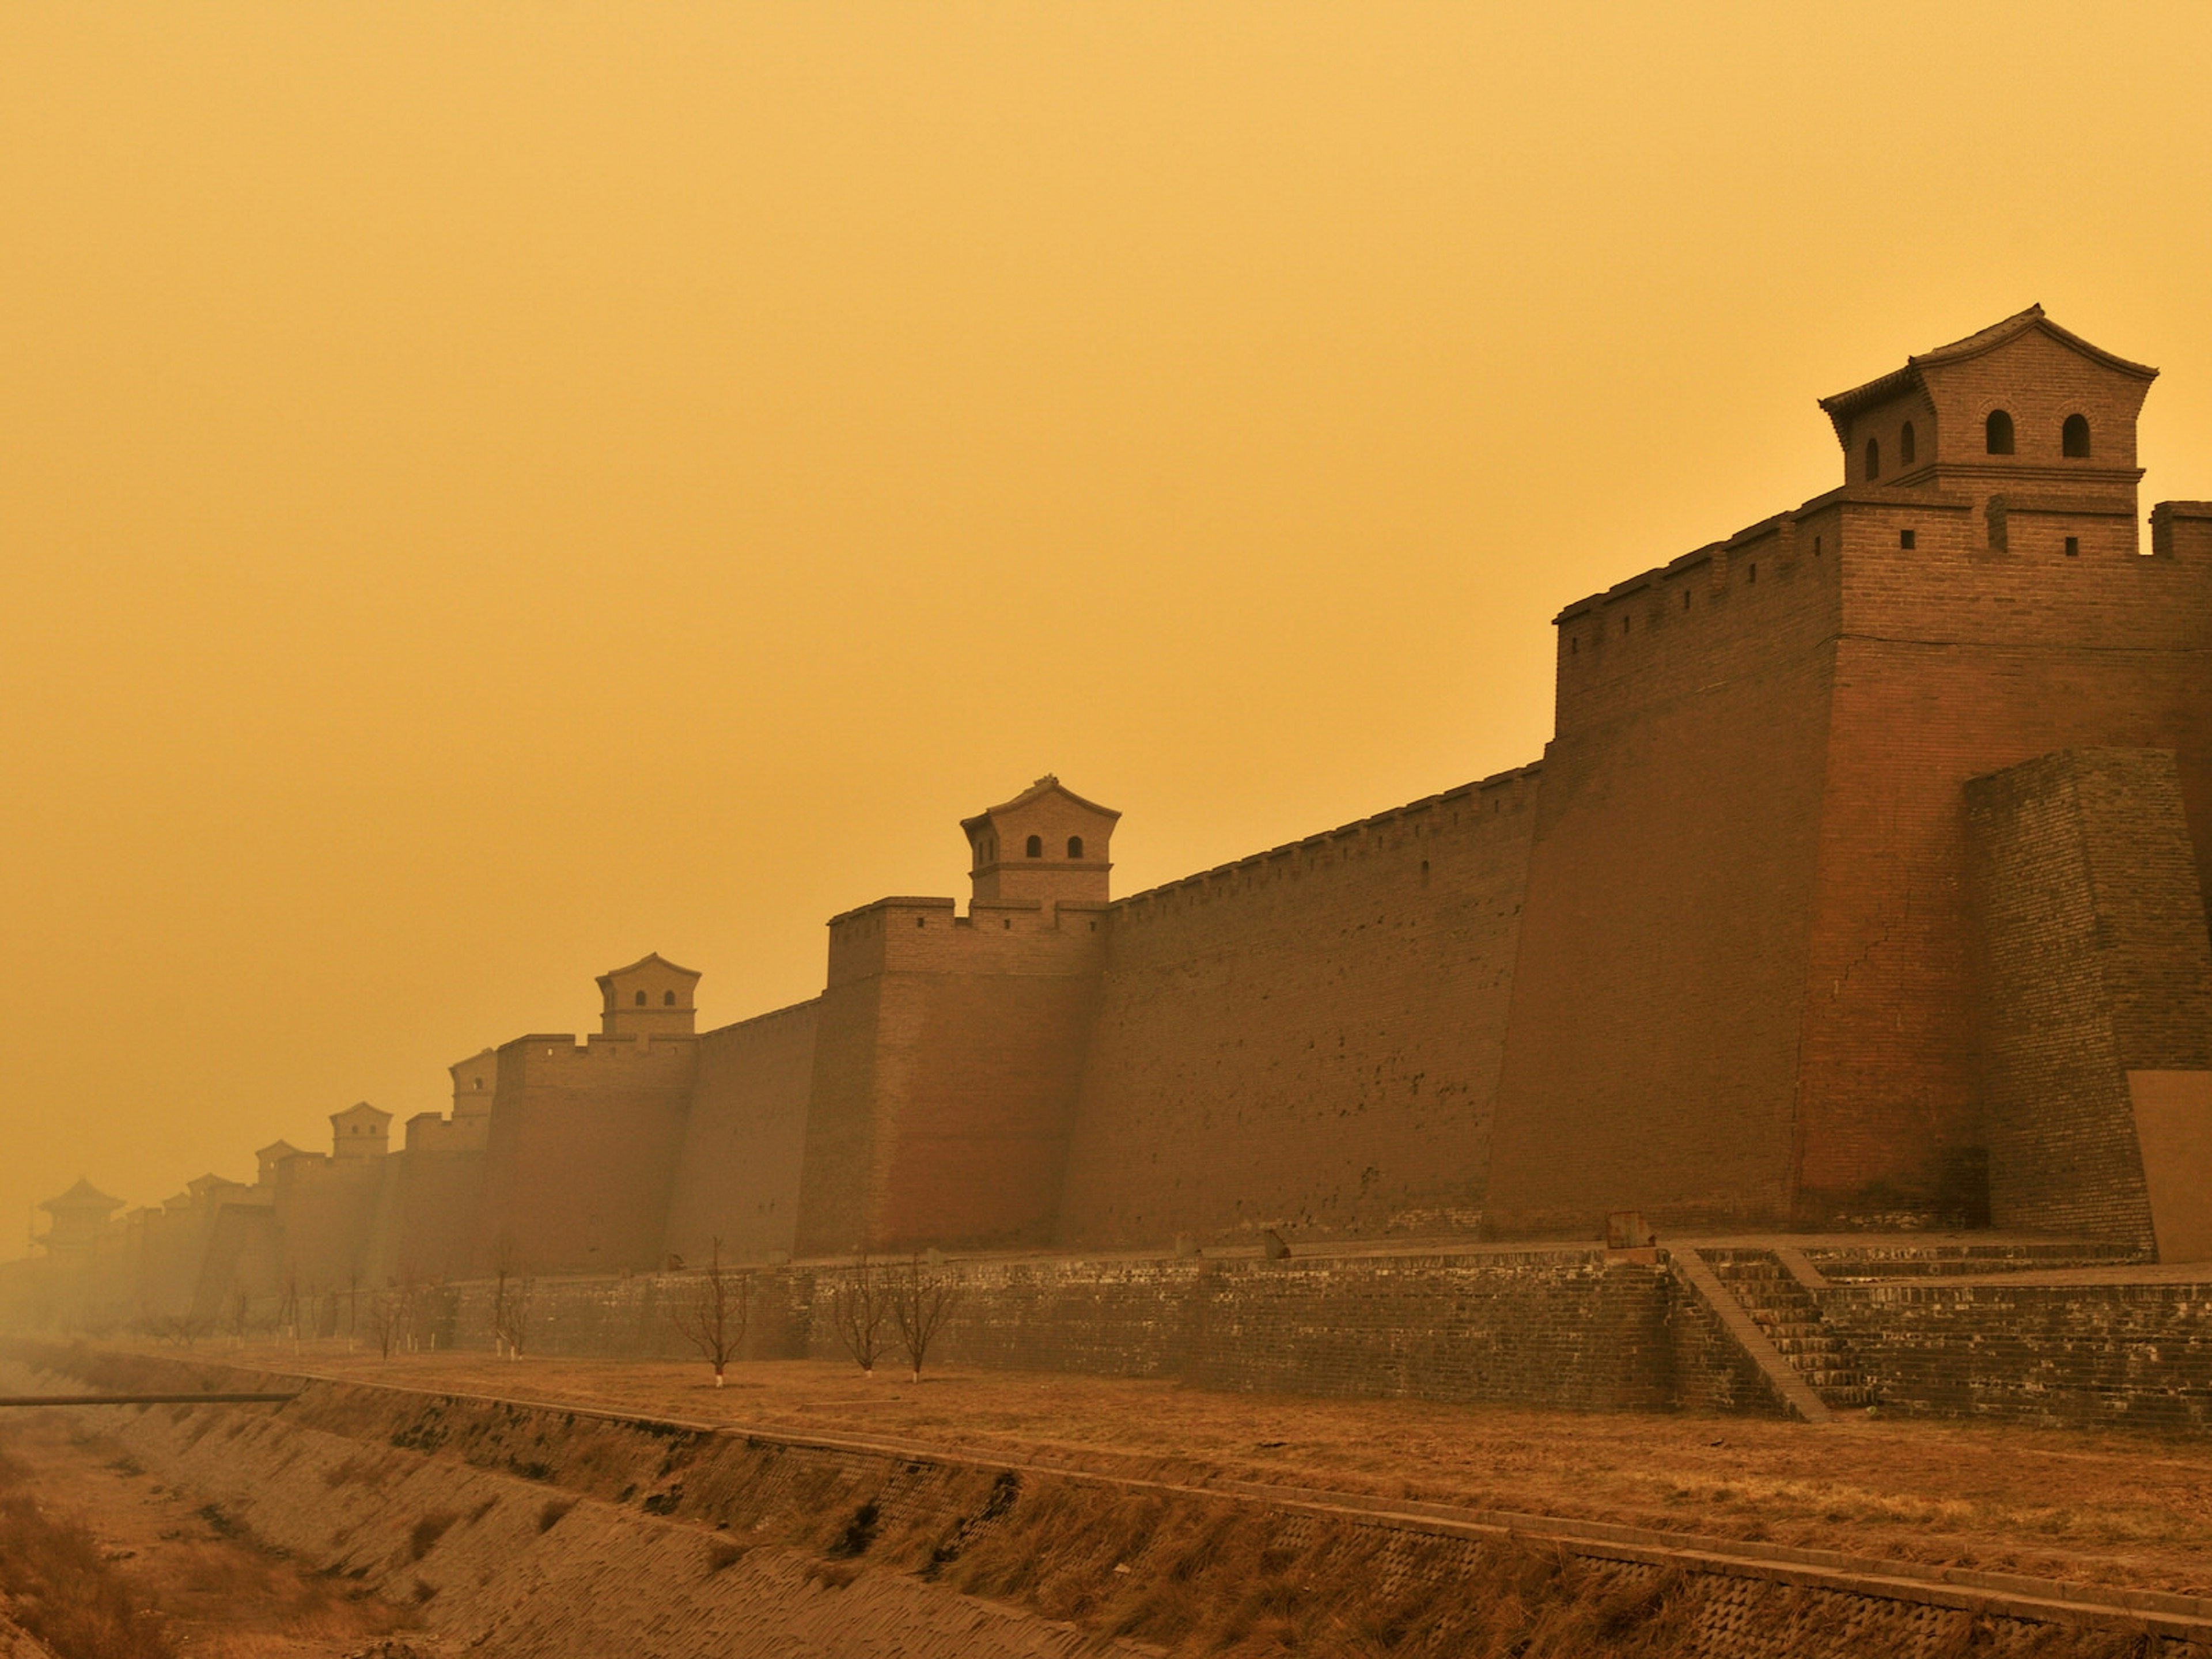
(1307, 1040)
(2057, 1355)
(737, 1178)
(945, 1066)
(1651, 1054)
(1551, 1327)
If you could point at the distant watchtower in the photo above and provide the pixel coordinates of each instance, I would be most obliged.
(652, 997)
(79, 1218)
(361, 1131)
(1048, 843)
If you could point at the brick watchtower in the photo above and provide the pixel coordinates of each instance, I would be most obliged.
(80, 1219)
(950, 1046)
(1747, 993)
(1047, 843)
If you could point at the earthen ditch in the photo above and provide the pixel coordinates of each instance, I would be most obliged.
(512, 1527)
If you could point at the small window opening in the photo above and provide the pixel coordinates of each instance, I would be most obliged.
(1036, 847)
(1873, 459)
(2073, 438)
(668, 998)
(1075, 846)
(1007, 922)
(921, 921)
(1905, 445)
(1624, 625)
(1425, 872)
(480, 1083)
(641, 999)
(1816, 547)
(1574, 644)
(1905, 539)
(1685, 599)
(1752, 577)
(1998, 431)
(2073, 547)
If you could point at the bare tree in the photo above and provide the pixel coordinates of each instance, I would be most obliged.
(240, 1313)
(711, 1316)
(287, 1304)
(511, 1316)
(503, 1272)
(391, 1313)
(858, 1305)
(179, 1329)
(922, 1297)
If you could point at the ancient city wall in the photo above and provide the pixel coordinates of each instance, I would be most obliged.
(425, 1226)
(738, 1176)
(946, 1068)
(1651, 1049)
(1307, 1039)
(324, 1207)
(1956, 661)
(582, 1152)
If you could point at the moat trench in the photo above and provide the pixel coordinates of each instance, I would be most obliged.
(452, 1523)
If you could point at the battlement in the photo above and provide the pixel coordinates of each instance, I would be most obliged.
(1499, 796)
(560, 1059)
(2017, 568)
(929, 935)
(433, 1132)
(2181, 530)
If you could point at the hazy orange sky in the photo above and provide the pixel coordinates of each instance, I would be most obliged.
(490, 490)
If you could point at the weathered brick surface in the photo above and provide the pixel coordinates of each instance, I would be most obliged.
(583, 1146)
(1307, 1039)
(2096, 962)
(2064, 1355)
(1746, 991)
(736, 1178)
(945, 1073)
(1549, 1328)
(1651, 1051)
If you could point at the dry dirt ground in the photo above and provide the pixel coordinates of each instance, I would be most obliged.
(2109, 1508)
(163, 1574)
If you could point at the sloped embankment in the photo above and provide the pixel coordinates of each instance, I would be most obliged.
(532, 1530)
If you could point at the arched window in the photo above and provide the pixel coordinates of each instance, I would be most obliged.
(641, 999)
(2074, 437)
(1075, 846)
(1036, 847)
(1905, 445)
(1998, 428)
(668, 998)
(1873, 461)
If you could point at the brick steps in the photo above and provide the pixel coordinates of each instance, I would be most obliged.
(1789, 1317)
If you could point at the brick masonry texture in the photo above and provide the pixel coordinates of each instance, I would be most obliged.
(737, 1178)
(1308, 1040)
(1559, 1327)
(2063, 1356)
(2096, 963)
(1534, 1327)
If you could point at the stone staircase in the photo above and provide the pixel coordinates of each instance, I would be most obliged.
(1786, 1312)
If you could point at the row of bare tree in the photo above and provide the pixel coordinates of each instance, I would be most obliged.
(872, 1306)
(914, 1298)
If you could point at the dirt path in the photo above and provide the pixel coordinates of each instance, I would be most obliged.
(2112, 1509)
